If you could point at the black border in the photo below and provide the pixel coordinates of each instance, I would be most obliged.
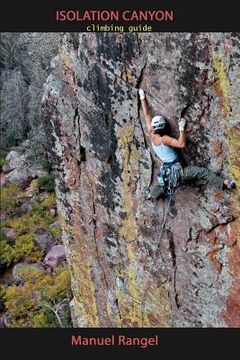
(214, 343)
(189, 15)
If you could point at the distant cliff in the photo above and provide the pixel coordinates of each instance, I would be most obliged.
(24, 67)
(100, 152)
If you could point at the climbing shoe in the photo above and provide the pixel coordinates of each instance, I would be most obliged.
(229, 184)
(172, 212)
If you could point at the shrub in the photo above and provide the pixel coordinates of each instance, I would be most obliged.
(2, 235)
(2, 162)
(3, 154)
(47, 182)
(38, 209)
(3, 288)
(10, 196)
(3, 224)
(43, 319)
(56, 232)
(6, 252)
(38, 303)
(30, 273)
(49, 202)
(30, 221)
(56, 287)
(25, 248)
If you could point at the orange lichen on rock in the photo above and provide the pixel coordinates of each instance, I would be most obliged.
(218, 147)
(212, 255)
(231, 313)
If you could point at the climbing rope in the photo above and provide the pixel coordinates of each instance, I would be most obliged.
(143, 299)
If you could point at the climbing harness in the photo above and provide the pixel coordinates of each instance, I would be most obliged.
(169, 177)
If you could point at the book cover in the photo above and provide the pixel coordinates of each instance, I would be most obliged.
(120, 137)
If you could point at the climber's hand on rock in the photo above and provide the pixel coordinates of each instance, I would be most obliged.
(181, 124)
(141, 94)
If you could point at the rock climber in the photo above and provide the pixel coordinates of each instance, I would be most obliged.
(172, 173)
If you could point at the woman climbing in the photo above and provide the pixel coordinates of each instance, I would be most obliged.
(171, 172)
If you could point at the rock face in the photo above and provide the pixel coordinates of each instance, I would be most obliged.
(126, 271)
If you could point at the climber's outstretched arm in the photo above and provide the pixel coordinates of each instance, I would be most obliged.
(167, 140)
(146, 111)
(177, 143)
(181, 141)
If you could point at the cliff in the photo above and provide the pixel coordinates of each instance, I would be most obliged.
(24, 65)
(125, 273)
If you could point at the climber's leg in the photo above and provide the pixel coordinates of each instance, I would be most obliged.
(157, 191)
(195, 173)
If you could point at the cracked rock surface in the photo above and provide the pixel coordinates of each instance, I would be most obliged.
(126, 271)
